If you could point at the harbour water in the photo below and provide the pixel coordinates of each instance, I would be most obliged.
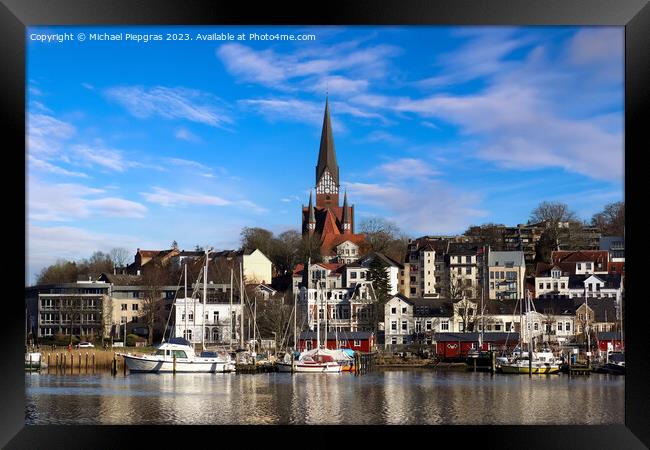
(411, 396)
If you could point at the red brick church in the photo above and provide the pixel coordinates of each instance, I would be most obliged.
(327, 221)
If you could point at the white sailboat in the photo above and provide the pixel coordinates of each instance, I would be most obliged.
(178, 355)
(318, 360)
(544, 362)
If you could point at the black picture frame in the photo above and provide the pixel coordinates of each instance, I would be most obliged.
(634, 15)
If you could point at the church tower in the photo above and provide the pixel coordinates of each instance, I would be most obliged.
(327, 169)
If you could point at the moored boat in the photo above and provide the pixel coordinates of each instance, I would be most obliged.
(177, 355)
(33, 361)
(312, 361)
(542, 363)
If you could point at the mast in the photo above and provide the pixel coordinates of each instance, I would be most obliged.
(326, 312)
(205, 297)
(254, 323)
(318, 307)
(587, 321)
(230, 310)
(295, 321)
(241, 300)
(185, 302)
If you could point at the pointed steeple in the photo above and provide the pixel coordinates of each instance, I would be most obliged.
(346, 214)
(327, 152)
(311, 222)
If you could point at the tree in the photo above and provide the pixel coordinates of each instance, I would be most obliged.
(385, 237)
(119, 256)
(310, 248)
(466, 309)
(152, 280)
(381, 286)
(257, 238)
(60, 272)
(611, 220)
(285, 252)
(552, 213)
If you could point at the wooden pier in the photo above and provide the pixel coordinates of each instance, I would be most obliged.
(364, 362)
(255, 368)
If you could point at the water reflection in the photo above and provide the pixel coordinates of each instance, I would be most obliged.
(382, 397)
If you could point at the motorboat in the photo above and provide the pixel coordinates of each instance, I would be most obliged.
(615, 364)
(33, 361)
(178, 355)
(544, 362)
(311, 361)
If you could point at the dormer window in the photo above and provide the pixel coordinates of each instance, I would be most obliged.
(555, 273)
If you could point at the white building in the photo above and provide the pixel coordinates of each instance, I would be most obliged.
(507, 273)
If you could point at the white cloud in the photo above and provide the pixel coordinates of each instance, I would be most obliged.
(427, 207)
(186, 135)
(407, 168)
(165, 197)
(46, 134)
(47, 244)
(291, 109)
(170, 103)
(68, 201)
(44, 166)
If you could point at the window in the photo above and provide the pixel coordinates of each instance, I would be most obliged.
(444, 326)
(548, 286)
(363, 274)
(134, 307)
(124, 306)
(353, 275)
(403, 309)
(497, 327)
(393, 325)
(459, 270)
(491, 275)
(357, 343)
(123, 319)
(412, 290)
(405, 325)
(179, 354)
(468, 259)
(393, 340)
(588, 266)
(468, 271)
(393, 310)
(579, 266)
(418, 326)
(536, 326)
(563, 285)
(428, 325)
(541, 285)
(559, 326)
(135, 294)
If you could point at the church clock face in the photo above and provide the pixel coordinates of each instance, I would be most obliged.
(327, 189)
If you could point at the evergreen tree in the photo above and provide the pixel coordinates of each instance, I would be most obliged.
(378, 275)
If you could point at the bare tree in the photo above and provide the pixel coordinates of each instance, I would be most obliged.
(385, 237)
(119, 256)
(611, 220)
(152, 280)
(552, 213)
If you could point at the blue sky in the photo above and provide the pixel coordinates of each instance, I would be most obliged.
(436, 128)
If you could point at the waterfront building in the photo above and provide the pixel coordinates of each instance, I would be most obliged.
(361, 341)
(144, 257)
(456, 346)
(409, 320)
(78, 309)
(507, 272)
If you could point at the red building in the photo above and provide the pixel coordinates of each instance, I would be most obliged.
(360, 341)
(610, 337)
(457, 345)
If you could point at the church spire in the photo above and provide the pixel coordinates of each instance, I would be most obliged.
(311, 222)
(346, 215)
(327, 152)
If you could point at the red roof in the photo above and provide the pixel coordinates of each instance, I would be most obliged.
(560, 256)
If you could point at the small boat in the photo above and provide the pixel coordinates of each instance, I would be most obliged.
(480, 359)
(177, 355)
(543, 363)
(312, 361)
(615, 364)
(33, 361)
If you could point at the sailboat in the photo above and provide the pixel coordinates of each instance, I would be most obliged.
(318, 360)
(178, 355)
(532, 362)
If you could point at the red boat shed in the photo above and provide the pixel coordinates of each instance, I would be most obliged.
(359, 341)
(610, 337)
(457, 345)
